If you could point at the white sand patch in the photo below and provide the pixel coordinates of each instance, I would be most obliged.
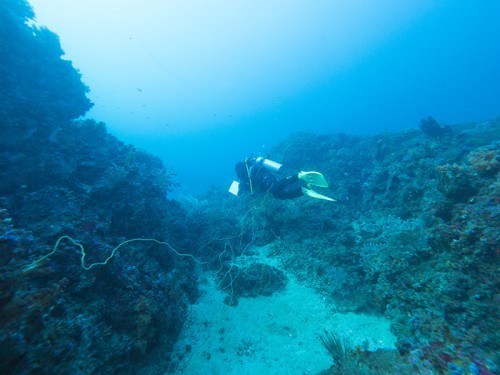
(268, 335)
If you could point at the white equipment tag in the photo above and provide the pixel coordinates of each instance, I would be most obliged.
(234, 188)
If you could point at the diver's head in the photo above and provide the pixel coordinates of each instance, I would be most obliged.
(241, 171)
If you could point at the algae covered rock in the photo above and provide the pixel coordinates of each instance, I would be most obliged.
(251, 281)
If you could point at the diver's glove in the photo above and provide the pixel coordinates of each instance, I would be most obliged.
(313, 178)
(313, 194)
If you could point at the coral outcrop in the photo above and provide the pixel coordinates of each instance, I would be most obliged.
(413, 235)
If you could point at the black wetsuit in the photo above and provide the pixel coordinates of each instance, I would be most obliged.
(263, 181)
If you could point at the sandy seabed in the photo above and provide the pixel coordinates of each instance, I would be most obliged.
(278, 334)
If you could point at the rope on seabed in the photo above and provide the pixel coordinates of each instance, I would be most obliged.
(82, 251)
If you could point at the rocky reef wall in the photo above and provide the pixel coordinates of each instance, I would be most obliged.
(413, 234)
(70, 189)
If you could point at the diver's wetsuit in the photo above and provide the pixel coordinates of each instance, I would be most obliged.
(263, 181)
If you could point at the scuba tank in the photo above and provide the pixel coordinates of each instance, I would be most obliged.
(268, 164)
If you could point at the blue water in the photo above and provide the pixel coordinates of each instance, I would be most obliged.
(212, 84)
(447, 64)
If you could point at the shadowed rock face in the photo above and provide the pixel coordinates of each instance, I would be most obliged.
(60, 177)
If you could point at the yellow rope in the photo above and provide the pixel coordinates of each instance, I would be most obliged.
(249, 178)
(88, 267)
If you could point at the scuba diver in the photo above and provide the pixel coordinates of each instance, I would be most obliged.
(257, 175)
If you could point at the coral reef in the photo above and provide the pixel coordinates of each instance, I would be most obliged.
(92, 187)
(413, 236)
(64, 177)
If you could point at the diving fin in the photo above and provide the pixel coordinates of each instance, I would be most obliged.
(313, 178)
(311, 193)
